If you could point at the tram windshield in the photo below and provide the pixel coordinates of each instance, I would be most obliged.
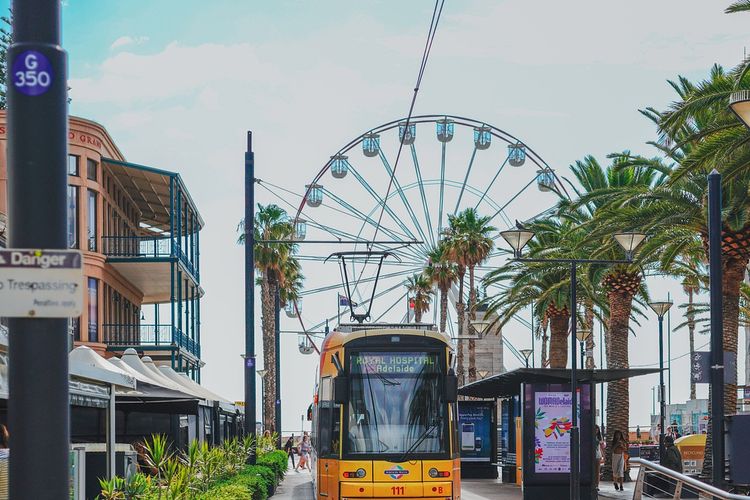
(397, 404)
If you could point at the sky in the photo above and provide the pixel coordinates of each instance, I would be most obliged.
(178, 83)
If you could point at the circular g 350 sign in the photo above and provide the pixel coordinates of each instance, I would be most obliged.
(32, 73)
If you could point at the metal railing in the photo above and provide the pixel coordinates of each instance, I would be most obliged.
(146, 247)
(656, 481)
(149, 335)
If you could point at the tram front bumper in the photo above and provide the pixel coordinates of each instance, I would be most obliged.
(404, 490)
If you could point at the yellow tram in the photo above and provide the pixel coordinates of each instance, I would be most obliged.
(384, 415)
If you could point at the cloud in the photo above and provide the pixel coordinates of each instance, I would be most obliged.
(126, 40)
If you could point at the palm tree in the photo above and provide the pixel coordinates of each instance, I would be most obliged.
(477, 246)
(456, 248)
(442, 273)
(420, 287)
(699, 134)
(273, 262)
(738, 6)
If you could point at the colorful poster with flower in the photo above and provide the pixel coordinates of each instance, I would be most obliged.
(552, 426)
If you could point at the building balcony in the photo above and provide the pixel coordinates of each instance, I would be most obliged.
(150, 339)
(149, 263)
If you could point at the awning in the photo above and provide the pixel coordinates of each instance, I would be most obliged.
(86, 364)
(509, 383)
(191, 385)
(150, 189)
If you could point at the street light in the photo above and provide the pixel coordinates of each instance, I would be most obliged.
(739, 103)
(483, 373)
(526, 355)
(661, 308)
(583, 335)
(629, 241)
(480, 327)
(262, 374)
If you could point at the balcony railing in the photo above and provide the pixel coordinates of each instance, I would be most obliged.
(146, 247)
(149, 335)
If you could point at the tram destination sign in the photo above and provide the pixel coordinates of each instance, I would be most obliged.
(41, 283)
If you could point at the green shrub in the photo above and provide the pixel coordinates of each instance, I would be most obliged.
(266, 473)
(226, 492)
(277, 461)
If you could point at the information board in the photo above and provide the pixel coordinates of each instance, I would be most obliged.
(552, 425)
(475, 427)
(394, 363)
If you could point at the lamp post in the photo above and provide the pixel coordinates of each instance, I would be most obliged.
(629, 241)
(582, 335)
(480, 327)
(526, 355)
(661, 308)
(483, 374)
(739, 103)
(262, 375)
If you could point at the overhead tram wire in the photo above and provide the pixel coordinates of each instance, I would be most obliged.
(436, 13)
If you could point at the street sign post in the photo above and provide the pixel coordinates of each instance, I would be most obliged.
(41, 283)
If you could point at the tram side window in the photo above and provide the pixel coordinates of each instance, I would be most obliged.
(329, 425)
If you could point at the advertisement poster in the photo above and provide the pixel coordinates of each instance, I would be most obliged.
(475, 431)
(552, 425)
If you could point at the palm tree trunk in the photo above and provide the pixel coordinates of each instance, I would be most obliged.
(732, 277)
(443, 308)
(460, 317)
(472, 315)
(618, 392)
(691, 331)
(268, 322)
(558, 347)
(545, 340)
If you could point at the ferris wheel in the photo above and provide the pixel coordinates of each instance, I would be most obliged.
(363, 197)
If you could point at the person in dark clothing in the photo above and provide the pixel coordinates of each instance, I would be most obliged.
(289, 449)
(672, 456)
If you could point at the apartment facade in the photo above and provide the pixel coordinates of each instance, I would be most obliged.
(139, 232)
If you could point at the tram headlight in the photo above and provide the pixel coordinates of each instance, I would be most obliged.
(433, 472)
(361, 473)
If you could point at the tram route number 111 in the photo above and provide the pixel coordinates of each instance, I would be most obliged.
(397, 490)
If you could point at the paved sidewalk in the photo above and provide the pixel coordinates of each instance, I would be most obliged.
(489, 489)
(295, 486)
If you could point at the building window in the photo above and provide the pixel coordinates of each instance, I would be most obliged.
(93, 310)
(91, 170)
(73, 162)
(92, 229)
(73, 217)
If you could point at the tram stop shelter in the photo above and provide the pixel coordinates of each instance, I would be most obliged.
(536, 422)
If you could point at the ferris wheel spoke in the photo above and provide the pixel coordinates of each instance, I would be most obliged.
(481, 198)
(328, 288)
(400, 192)
(364, 218)
(422, 194)
(466, 178)
(391, 307)
(514, 197)
(442, 189)
(380, 201)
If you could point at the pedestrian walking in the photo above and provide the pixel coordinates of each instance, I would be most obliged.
(599, 447)
(619, 448)
(289, 448)
(672, 455)
(304, 453)
(4, 459)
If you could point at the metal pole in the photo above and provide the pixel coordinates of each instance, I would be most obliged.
(277, 349)
(574, 431)
(662, 403)
(533, 334)
(669, 351)
(601, 366)
(249, 361)
(717, 327)
(653, 401)
(38, 410)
